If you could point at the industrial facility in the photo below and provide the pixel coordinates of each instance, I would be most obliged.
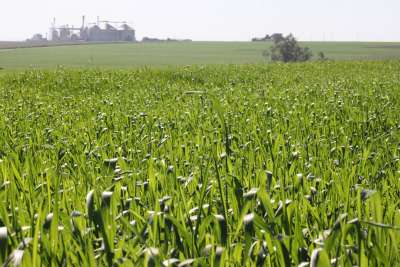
(101, 31)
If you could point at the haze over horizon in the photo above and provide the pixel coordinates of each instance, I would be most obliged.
(213, 20)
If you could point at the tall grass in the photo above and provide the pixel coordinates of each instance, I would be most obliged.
(202, 166)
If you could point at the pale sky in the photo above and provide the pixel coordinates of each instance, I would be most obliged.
(219, 20)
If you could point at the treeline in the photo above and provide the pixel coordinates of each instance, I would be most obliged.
(157, 40)
(273, 37)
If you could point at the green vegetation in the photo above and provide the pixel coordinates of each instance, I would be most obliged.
(257, 165)
(287, 49)
(125, 55)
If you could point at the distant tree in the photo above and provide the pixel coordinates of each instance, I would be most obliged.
(276, 37)
(287, 49)
(262, 39)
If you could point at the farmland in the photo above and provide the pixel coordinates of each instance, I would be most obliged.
(218, 165)
(133, 55)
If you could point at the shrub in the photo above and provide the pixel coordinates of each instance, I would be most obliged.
(322, 57)
(287, 49)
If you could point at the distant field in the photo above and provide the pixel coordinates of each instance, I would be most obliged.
(125, 55)
(31, 44)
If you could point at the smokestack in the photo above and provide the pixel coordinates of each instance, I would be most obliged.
(83, 22)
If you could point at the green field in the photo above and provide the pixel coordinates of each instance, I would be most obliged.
(252, 165)
(125, 55)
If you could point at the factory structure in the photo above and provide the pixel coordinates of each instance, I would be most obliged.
(101, 31)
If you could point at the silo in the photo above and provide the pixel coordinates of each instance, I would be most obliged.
(54, 35)
(64, 34)
(127, 33)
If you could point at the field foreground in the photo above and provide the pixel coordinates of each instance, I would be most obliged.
(254, 166)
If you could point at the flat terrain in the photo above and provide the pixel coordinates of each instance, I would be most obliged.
(255, 165)
(30, 44)
(127, 55)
